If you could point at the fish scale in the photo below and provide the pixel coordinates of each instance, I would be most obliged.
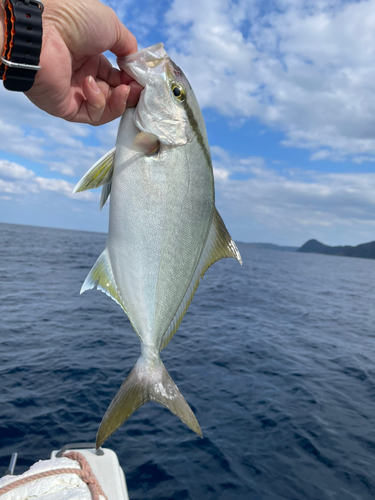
(164, 229)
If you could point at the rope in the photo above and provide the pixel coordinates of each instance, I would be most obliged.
(85, 473)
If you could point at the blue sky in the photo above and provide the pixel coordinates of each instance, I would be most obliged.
(287, 92)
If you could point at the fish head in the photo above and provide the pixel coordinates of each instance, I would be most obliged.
(167, 106)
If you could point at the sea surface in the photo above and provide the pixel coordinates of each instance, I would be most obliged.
(276, 359)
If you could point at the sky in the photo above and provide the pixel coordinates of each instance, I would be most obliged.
(288, 95)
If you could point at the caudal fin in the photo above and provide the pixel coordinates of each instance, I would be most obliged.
(148, 381)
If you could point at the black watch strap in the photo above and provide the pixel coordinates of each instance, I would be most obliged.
(23, 43)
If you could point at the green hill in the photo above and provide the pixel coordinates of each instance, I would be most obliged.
(365, 250)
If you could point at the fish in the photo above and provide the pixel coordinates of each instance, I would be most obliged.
(164, 230)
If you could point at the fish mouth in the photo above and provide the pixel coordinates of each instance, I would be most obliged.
(142, 64)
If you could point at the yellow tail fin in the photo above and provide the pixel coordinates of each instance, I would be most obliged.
(148, 381)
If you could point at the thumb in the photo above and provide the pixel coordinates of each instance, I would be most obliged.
(124, 42)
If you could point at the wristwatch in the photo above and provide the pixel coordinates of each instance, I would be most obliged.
(23, 42)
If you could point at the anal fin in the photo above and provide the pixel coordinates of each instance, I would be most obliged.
(101, 276)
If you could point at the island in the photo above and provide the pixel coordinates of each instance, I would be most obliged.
(364, 251)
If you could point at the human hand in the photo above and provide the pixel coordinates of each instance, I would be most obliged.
(77, 82)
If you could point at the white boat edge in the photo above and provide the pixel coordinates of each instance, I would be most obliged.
(106, 468)
(104, 464)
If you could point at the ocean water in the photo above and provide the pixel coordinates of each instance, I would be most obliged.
(276, 359)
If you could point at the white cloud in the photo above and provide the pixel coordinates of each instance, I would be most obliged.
(16, 179)
(15, 140)
(221, 174)
(293, 202)
(304, 67)
(13, 171)
(64, 147)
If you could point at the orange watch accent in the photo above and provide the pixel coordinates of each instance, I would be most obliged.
(19, 62)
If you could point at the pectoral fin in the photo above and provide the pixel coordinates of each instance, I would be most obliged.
(99, 174)
(219, 245)
(146, 143)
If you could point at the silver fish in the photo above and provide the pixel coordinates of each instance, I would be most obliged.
(164, 229)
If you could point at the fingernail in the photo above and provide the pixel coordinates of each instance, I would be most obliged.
(94, 85)
(127, 91)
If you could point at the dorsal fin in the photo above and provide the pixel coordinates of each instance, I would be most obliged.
(219, 245)
(100, 173)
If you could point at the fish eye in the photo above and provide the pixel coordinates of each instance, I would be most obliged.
(178, 91)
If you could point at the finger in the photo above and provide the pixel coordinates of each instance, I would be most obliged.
(116, 104)
(95, 102)
(114, 78)
(108, 73)
(125, 78)
(135, 91)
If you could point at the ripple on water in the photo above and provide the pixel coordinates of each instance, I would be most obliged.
(274, 357)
